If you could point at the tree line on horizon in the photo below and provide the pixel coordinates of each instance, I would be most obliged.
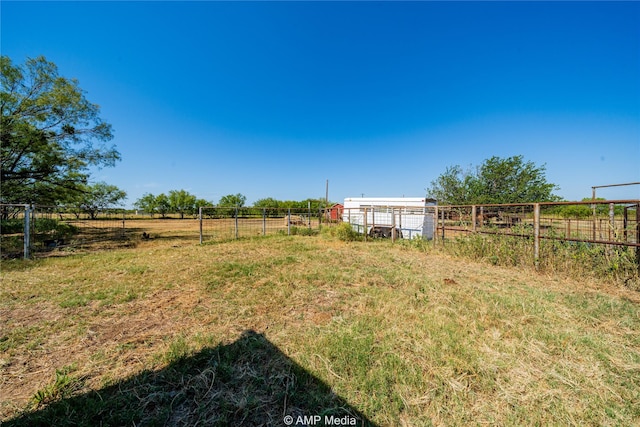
(184, 203)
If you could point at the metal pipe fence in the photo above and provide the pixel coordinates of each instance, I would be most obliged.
(614, 223)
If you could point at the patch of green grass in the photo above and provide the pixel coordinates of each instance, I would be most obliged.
(29, 336)
(62, 386)
(179, 349)
(75, 301)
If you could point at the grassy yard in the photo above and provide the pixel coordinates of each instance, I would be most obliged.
(248, 332)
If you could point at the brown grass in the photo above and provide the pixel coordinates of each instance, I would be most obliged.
(403, 336)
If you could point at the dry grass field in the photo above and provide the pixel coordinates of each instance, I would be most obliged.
(247, 332)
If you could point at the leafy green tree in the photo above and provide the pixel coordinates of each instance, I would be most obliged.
(147, 203)
(269, 203)
(201, 203)
(100, 196)
(497, 180)
(182, 202)
(50, 134)
(163, 206)
(232, 200)
(452, 187)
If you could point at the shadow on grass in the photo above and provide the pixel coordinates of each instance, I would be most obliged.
(247, 383)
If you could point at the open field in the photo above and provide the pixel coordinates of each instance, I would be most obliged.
(245, 332)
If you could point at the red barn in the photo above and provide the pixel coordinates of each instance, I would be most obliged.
(334, 213)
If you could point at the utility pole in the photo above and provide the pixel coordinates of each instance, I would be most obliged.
(326, 194)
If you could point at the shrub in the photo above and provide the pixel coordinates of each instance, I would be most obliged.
(344, 232)
(55, 227)
(12, 226)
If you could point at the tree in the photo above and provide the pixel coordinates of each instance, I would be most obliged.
(268, 203)
(147, 203)
(497, 180)
(181, 202)
(199, 203)
(100, 196)
(451, 187)
(50, 134)
(162, 204)
(232, 200)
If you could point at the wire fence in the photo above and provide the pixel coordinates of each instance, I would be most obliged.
(218, 223)
(34, 230)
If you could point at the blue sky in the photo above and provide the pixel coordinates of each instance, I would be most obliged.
(271, 99)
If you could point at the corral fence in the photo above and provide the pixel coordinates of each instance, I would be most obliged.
(28, 231)
(219, 223)
(538, 229)
(610, 224)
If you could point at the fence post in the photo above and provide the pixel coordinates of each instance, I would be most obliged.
(309, 216)
(474, 216)
(289, 222)
(593, 207)
(264, 221)
(393, 225)
(200, 221)
(236, 215)
(27, 231)
(638, 236)
(436, 213)
(612, 220)
(536, 234)
(366, 214)
(373, 218)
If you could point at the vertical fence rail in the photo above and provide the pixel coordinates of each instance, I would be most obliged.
(536, 234)
(365, 224)
(200, 223)
(638, 235)
(27, 231)
(393, 225)
(264, 221)
(237, 228)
